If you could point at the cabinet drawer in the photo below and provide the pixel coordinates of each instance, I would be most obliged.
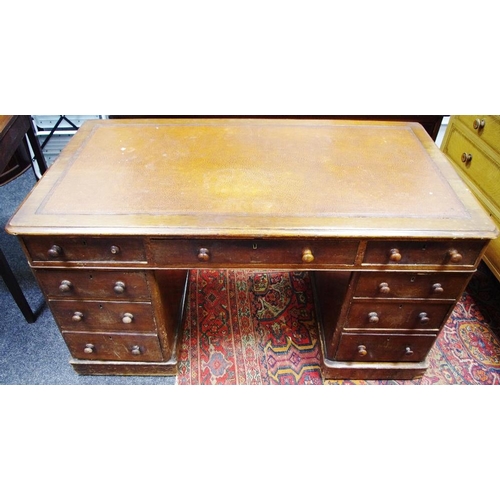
(487, 128)
(418, 285)
(398, 315)
(273, 254)
(84, 284)
(438, 253)
(382, 347)
(60, 249)
(113, 347)
(480, 167)
(95, 315)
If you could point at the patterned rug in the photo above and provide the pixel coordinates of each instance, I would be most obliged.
(259, 328)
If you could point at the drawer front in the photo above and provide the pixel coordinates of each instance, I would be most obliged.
(417, 285)
(247, 253)
(398, 315)
(382, 347)
(439, 253)
(481, 168)
(83, 284)
(113, 347)
(99, 316)
(487, 128)
(108, 250)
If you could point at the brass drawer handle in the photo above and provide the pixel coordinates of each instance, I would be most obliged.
(307, 256)
(89, 348)
(384, 288)
(373, 317)
(114, 250)
(395, 255)
(119, 287)
(424, 318)
(455, 256)
(77, 316)
(408, 351)
(55, 251)
(362, 350)
(437, 288)
(466, 158)
(65, 286)
(136, 350)
(127, 318)
(478, 124)
(203, 255)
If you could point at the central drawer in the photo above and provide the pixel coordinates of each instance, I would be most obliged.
(103, 315)
(273, 254)
(397, 314)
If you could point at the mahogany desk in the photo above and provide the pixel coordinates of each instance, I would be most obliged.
(374, 210)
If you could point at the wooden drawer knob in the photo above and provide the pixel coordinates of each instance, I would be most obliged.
(362, 350)
(466, 158)
(65, 286)
(55, 251)
(114, 249)
(394, 255)
(373, 317)
(478, 124)
(89, 348)
(307, 256)
(455, 256)
(408, 351)
(437, 288)
(136, 350)
(423, 318)
(127, 318)
(203, 255)
(119, 287)
(384, 288)
(77, 316)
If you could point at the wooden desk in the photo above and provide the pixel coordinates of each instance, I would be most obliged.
(373, 209)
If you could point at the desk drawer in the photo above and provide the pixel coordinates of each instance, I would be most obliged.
(95, 315)
(61, 249)
(485, 127)
(417, 285)
(384, 347)
(273, 254)
(84, 284)
(113, 346)
(398, 315)
(438, 253)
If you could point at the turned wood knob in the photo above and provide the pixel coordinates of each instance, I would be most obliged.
(362, 350)
(119, 287)
(55, 251)
(437, 288)
(423, 317)
(77, 316)
(65, 286)
(395, 255)
(373, 317)
(408, 351)
(127, 318)
(89, 348)
(478, 124)
(455, 256)
(114, 249)
(203, 255)
(384, 288)
(466, 157)
(136, 350)
(307, 256)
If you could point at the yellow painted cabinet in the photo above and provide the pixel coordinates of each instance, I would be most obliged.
(472, 143)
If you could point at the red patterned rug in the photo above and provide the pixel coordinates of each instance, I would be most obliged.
(259, 328)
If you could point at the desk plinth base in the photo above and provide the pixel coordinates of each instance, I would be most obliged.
(336, 370)
(167, 368)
